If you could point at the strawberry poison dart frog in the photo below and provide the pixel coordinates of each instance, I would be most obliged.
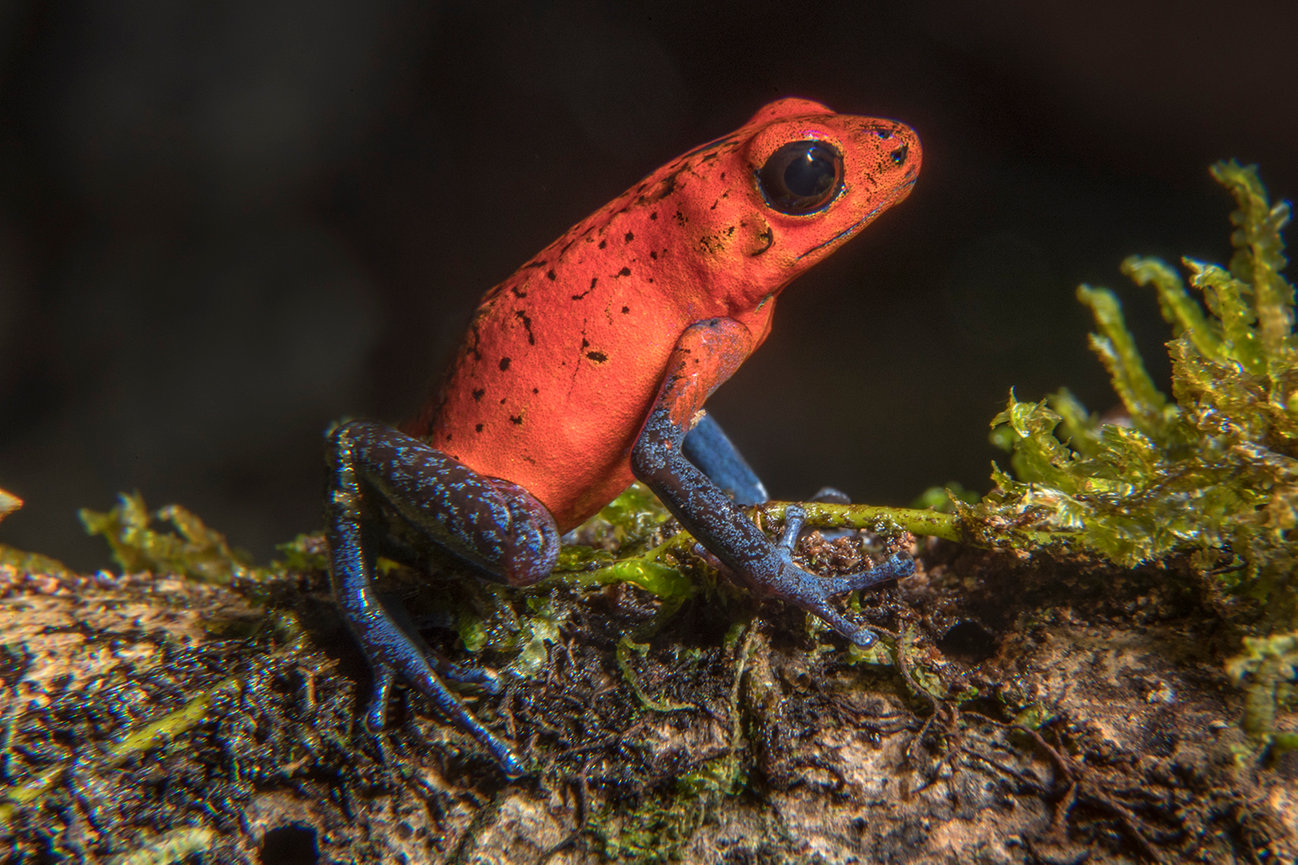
(589, 367)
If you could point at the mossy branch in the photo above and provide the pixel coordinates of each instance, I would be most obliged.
(659, 569)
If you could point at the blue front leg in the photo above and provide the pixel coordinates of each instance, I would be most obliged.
(709, 448)
(705, 356)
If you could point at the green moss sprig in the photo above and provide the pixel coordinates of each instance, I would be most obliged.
(1268, 670)
(171, 540)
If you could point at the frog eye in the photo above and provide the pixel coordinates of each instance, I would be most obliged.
(801, 177)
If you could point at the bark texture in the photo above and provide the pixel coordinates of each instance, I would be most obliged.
(1039, 712)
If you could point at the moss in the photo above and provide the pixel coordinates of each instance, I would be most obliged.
(17, 561)
(1268, 668)
(1211, 472)
(8, 503)
(139, 542)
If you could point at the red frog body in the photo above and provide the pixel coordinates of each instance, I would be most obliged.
(589, 367)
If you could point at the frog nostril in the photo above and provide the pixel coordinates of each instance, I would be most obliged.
(899, 155)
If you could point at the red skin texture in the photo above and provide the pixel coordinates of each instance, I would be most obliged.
(564, 359)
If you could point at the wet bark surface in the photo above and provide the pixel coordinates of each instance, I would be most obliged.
(1031, 711)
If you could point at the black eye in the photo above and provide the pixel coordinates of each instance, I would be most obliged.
(801, 177)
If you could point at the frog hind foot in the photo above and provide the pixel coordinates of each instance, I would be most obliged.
(384, 482)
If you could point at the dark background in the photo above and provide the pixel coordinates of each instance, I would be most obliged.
(224, 225)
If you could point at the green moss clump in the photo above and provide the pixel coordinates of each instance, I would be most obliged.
(1268, 668)
(8, 503)
(1213, 471)
(139, 542)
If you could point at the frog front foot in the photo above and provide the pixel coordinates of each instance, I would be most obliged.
(812, 593)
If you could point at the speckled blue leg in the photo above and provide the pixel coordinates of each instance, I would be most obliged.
(382, 480)
(705, 355)
(709, 448)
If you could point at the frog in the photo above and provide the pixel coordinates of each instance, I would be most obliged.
(589, 368)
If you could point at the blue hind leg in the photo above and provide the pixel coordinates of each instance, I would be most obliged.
(388, 490)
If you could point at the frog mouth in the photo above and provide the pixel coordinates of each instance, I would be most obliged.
(898, 194)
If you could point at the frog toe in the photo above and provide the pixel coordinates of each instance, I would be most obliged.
(794, 518)
(895, 567)
(857, 633)
(466, 674)
(376, 714)
(813, 593)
